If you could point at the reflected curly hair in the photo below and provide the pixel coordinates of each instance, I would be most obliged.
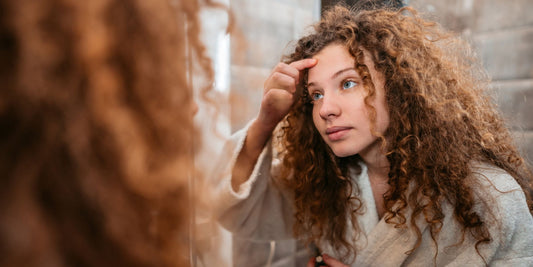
(95, 131)
(441, 121)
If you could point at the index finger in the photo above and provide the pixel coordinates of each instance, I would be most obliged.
(304, 63)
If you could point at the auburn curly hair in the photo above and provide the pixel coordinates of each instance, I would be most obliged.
(441, 121)
(96, 126)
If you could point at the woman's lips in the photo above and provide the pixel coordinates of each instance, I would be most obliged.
(336, 133)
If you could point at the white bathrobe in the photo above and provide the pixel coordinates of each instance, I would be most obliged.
(261, 210)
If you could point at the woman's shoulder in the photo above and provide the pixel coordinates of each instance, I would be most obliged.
(501, 203)
(494, 179)
(497, 192)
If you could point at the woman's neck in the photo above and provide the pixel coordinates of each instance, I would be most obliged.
(376, 163)
(378, 175)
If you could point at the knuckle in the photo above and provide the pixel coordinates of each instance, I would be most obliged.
(280, 66)
(276, 76)
(281, 79)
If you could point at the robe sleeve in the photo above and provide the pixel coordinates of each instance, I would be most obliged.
(259, 209)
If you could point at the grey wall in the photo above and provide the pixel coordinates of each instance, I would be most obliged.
(502, 33)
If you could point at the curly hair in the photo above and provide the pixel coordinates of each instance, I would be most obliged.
(441, 121)
(96, 126)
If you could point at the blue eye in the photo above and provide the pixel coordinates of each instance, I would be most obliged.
(348, 84)
(316, 96)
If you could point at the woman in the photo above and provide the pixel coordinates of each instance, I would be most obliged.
(390, 153)
(96, 122)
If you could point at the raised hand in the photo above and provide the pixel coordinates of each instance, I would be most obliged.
(278, 96)
(278, 92)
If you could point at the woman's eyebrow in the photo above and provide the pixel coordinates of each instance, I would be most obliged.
(310, 84)
(336, 74)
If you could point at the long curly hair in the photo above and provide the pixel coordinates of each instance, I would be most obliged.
(96, 127)
(441, 121)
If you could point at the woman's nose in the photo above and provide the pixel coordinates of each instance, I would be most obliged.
(330, 107)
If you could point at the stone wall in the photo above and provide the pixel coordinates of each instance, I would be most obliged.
(502, 33)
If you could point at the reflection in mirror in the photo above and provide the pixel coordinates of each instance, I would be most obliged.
(373, 142)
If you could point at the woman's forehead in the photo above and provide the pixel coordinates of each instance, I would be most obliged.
(336, 57)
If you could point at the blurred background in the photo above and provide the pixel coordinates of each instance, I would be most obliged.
(501, 31)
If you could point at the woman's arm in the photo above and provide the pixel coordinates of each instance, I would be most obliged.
(278, 97)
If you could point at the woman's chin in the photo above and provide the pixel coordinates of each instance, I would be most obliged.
(342, 153)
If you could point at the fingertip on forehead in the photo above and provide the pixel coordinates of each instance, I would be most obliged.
(313, 61)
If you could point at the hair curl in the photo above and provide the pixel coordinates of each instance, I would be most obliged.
(95, 131)
(440, 122)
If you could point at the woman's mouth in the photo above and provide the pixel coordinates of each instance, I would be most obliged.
(337, 132)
